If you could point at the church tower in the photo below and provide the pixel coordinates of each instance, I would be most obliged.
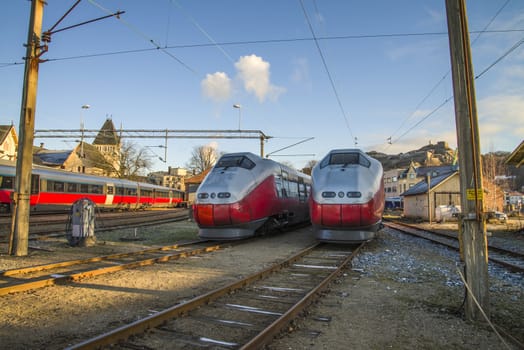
(108, 143)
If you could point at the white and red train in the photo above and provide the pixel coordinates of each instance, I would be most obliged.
(56, 190)
(244, 194)
(347, 196)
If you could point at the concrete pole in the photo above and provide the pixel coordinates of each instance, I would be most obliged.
(21, 207)
(472, 221)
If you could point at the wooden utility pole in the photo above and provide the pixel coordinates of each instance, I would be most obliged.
(24, 163)
(472, 221)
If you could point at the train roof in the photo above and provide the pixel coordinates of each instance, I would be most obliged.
(258, 159)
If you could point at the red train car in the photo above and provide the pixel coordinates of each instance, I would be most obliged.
(244, 193)
(57, 190)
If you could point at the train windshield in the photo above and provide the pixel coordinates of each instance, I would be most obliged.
(235, 161)
(350, 158)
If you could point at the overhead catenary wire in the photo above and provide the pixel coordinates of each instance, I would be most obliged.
(199, 27)
(433, 89)
(324, 63)
(144, 36)
(254, 42)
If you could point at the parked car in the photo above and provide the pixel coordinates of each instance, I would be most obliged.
(496, 216)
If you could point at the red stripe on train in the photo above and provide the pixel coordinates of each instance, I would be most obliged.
(258, 204)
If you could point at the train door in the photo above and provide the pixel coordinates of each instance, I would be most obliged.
(110, 193)
(35, 189)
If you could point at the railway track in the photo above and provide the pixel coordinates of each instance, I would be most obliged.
(33, 277)
(510, 259)
(245, 314)
(55, 225)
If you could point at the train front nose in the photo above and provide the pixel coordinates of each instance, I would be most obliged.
(343, 215)
(213, 214)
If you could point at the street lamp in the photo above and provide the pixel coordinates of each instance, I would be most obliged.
(236, 105)
(82, 155)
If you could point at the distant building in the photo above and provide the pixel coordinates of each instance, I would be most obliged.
(391, 182)
(8, 142)
(173, 178)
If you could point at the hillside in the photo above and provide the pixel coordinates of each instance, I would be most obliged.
(428, 155)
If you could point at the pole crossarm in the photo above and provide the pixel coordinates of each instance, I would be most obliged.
(155, 134)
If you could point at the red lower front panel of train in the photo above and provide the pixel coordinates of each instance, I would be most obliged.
(258, 204)
(351, 216)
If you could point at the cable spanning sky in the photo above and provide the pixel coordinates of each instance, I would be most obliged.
(333, 74)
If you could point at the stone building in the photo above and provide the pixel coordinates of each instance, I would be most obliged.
(173, 178)
(8, 142)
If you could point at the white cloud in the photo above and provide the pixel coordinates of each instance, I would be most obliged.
(254, 73)
(217, 86)
(501, 121)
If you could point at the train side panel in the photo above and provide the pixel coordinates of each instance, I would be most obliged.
(57, 190)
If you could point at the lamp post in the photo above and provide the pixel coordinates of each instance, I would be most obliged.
(239, 107)
(82, 131)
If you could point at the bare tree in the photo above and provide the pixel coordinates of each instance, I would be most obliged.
(134, 161)
(202, 158)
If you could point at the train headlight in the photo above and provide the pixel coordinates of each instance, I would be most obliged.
(355, 194)
(328, 194)
(213, 195)
(203, 195)
(341, 194)
(224, 194)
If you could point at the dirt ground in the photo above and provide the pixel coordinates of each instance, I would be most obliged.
(401, 293)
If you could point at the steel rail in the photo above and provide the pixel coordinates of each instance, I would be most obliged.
(452, 242)
(63, 277)
(264, 337)
(159, 318)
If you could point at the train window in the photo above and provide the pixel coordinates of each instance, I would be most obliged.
(84, 188)
(35, 184)
(235, 161)
(278, 185)
(57, 186)
(302, 194)
(95, 189)
(146, 193)
(131, 191)
(71, 187)
(120, 191)
(346, 159)
(110, 190)
(7, 182)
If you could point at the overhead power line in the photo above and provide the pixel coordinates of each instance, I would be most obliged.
(327, 70)
(255, 42)
(479, 33)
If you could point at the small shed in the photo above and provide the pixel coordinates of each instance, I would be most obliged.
(443, 190)
(192, 184)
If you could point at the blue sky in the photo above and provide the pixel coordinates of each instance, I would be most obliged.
(378, 70)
